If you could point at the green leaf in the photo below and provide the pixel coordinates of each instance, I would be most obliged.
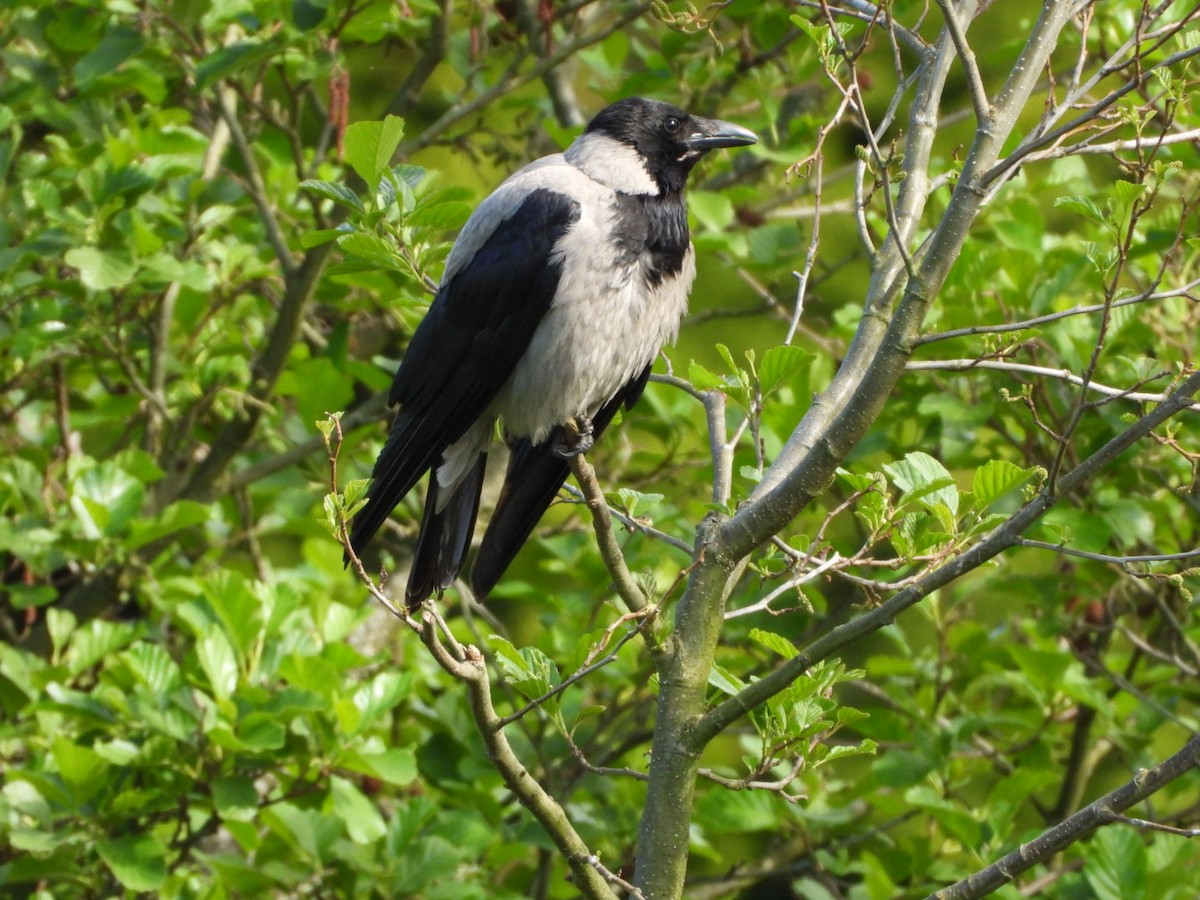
(921, 477)
(780, 365)
(995, 478)
(61, 624)
(177, 517)
(118, 45)
(363, 822)
(219, 663)
(631, 501)
(235, 798)
(839, 751)
(308, 14)
(320, 236)
(153, 667)
(331, 190)
(77, 764)
(727, 812)
(233, 58)
(1084, 206)
(30, 840)
(106, 498)
(724, 680)
(704, 380)
(372, 248)
(137, 861)
(382, 693)
(118, 752)
(446, 216)
(261, 732)
(307, 831)
(1116, 865)
(100, 270)
(712, 210)
(95, 641)
(370, 145)
(397, 766)
(953, 819)
(1044, 668)
(530, 670)
(776, 643)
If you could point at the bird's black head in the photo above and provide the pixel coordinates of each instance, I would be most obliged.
(668, 140)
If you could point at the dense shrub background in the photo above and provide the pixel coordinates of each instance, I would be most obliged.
(195, 268)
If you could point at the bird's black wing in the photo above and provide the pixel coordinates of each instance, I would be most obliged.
(535, 473)
(477, 328)
(445, 535)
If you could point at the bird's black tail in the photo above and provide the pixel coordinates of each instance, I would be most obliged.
(535, 473)
(445, 535)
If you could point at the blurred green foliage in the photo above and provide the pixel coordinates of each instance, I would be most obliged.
(197, 264)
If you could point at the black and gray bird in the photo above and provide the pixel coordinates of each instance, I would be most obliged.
(557, 296)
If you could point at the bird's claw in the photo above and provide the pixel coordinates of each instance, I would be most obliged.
(573, 438)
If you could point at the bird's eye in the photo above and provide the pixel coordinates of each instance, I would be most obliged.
(671, 124)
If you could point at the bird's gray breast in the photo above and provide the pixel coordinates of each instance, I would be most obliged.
(627, 267)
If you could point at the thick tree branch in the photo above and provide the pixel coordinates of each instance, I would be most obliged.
(1005, 536)
(684, 663)
(885, 283)
(1077, 827)
(832, 427)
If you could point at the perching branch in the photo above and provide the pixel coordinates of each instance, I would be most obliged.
(469, 669)
(466, 664)
(628, 589)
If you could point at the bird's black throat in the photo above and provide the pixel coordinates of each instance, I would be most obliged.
(653, 230)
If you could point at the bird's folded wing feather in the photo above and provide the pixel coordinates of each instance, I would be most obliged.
(477, 328)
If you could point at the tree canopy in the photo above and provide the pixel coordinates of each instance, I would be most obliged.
(885, 588)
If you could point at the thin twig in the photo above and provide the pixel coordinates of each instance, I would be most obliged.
(1026, 324)
(965, 365)
(575, 677)
(979, 97)
(764, 605)
(630, 522)
(257, 188)
(1109, 558)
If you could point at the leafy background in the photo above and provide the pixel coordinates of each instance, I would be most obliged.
(198, 262)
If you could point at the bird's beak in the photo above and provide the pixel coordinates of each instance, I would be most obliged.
(710, 134)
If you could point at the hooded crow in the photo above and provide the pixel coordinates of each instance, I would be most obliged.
(557, 296)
